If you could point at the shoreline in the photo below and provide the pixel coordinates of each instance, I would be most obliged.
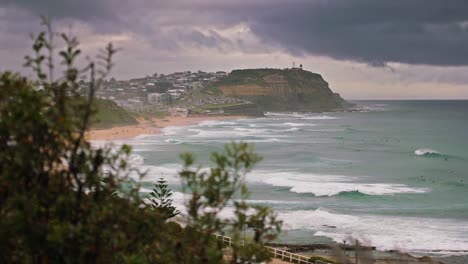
(156, 125)
(368, 254)
(150, 126)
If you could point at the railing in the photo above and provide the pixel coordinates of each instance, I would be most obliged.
(225, 239)
(278, 253)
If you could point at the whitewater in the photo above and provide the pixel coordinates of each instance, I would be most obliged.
(393, 175)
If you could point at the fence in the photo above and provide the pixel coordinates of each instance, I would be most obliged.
(278, 253)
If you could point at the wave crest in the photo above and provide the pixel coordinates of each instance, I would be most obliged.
(330, 185)
(413, 234)
(430, 153)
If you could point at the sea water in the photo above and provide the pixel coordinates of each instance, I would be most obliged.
(393, 174)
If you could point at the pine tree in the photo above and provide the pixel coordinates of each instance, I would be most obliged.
(161, 199)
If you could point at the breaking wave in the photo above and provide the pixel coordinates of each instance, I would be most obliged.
(329, 185)
(136, 159)
(173, 141)
(430, 153)
(322, 117)
(297, 124)
(425, 151)
(421, 235)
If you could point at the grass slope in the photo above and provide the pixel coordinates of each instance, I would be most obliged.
(109, 114)
(305, 90)
(295, 78)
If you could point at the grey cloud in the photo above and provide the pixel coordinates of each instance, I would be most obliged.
(376, 32)
(78, 9)
(371, 31)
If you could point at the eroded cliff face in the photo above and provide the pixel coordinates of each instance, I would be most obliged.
(282, 90)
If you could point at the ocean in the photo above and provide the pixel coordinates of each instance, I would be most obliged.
(393, 174)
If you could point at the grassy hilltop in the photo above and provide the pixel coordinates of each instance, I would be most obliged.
(109, 114)
(279, 90)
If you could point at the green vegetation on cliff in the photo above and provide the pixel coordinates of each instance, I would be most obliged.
(109, 114)
(279, 90)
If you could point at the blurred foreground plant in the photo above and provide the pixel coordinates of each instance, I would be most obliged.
(211, 191)
(56, 191)
(62, 201)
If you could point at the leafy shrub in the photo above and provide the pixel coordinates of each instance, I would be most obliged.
(63, 201)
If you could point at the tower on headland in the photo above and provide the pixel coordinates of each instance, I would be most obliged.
(296, 68)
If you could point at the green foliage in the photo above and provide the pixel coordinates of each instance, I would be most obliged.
(221, 106)
(296, 78)
(64, 201)
(238, 77)
(313, 259)
(109, 114)
(212, 189)
(212, 90)
(57, 202)
(161, 200)
(249, 76)
(302, 91)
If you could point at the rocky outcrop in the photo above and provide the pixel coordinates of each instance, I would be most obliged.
(243, 110)
(281, 90)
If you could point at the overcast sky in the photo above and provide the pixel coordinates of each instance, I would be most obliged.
(365, 49)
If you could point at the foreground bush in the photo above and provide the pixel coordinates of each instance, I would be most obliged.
(60, 198)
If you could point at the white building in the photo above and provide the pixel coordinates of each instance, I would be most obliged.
(175, 93)
(154, 98)
(195, 85)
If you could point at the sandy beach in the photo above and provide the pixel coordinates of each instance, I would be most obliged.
(150, 126)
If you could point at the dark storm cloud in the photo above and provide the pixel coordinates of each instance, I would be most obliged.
(372, 31)
(429, 32)
(78, 9)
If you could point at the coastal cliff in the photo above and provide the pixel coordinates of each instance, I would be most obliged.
(279, 90)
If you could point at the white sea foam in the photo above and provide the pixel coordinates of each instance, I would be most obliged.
(219, 133)
(142, 136)
(265, 140)
(411, 234)
(328, 185)
(426, 151)
(271, 202)
(173, 141)
(238, 133)
(297, 124)
(136, 159)
(251, 130)
(304, 116)
(284, 114)
(99, 143)
(217, 123)
(140, 149)
(370, 108)
(145, 190)
(325, 130)
(144, 142)
(322, 117)
(172, 130)
(263, 132)
(334, 188)
(169, 172)
(293, 129)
